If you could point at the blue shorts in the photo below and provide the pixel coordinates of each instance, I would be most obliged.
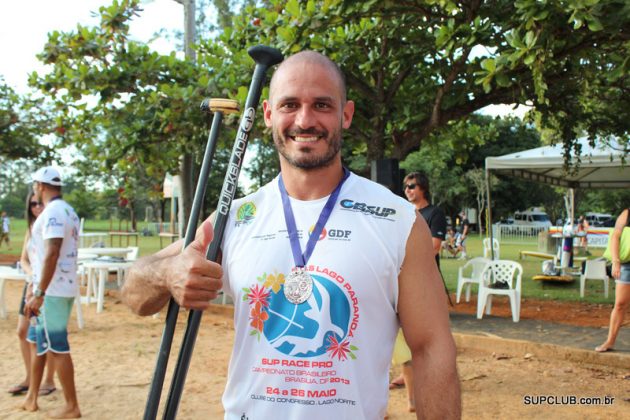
(51, 330)
(624, 278)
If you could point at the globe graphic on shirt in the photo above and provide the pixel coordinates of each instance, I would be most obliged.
(303, 330)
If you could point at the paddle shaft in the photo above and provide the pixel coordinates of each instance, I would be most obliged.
(264, 58)
(155, 391)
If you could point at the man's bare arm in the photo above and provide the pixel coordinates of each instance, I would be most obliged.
(424, 320)
(52, 249)
(187, 275)
(437, 244)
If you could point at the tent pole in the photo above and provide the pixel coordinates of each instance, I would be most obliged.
(489, 218)
(572, 199)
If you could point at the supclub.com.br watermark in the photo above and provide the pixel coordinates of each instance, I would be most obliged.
(566, 400)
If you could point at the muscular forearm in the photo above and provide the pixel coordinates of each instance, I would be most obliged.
(435, 370)
(187, 275)
(145, 290)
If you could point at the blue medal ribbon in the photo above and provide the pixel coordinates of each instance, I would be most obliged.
(302, 258)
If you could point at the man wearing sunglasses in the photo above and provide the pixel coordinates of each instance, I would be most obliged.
(416, 185)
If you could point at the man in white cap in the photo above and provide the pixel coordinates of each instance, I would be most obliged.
(54, 240)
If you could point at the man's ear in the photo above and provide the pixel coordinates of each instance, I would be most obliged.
(348, 112)
(267, 112)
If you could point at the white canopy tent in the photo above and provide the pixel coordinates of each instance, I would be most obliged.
(600, 167)
(595, 167)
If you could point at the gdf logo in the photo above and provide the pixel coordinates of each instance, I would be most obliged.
(331, 233)
(339, 233)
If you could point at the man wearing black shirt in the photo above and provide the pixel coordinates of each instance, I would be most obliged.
(416, 186)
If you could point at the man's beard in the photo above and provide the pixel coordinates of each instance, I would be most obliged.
(309, 160)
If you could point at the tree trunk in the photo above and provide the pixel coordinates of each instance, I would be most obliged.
(187, 164)
(186, 169)
(132, 213)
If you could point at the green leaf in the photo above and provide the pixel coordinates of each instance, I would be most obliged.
(502, 80)
(488, 64)
(487, 87)
(287, 33)
(293, 7)
(310, 7)
(594, 24)
(529, 59)
(241, 96)
(530, 39)
(542, 15)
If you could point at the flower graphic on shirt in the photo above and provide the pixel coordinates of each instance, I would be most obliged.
(258, 296)
(275, 282)
(340, 350)
(258, 316)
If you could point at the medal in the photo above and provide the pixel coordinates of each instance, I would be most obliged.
(298, 286)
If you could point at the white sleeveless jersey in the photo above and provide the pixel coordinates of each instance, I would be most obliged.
(329, 356)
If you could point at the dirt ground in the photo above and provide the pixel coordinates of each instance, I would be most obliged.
(114, 357)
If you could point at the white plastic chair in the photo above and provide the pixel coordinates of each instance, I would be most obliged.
(131, 255)
(477, 264)
(594, 270)
(486, 248)
(506, 271)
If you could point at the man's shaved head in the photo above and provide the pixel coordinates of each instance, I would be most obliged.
(310, 57)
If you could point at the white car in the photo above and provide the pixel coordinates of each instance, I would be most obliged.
(597, 219)
(534, 217)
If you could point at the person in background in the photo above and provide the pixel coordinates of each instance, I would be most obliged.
(33, 210)
(5, 233)
(55, 238)
(448, 244)
(621, 274)
(464, 225)
(416, 186)
(582, 232)
(417, 190)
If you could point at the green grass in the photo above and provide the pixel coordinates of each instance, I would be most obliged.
(531, 266)
(594, 292)
(148, 244)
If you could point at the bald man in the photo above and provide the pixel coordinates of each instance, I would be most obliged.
(315, 320)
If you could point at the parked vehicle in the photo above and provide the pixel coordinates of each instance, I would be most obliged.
(532, 217)
(598, 219)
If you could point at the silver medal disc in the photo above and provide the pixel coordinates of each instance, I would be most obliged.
(298, 287)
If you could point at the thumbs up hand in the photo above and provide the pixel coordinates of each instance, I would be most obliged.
(193, 281)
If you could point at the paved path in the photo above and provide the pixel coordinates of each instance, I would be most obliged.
(580, 339)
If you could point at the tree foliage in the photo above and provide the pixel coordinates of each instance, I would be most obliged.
(23, 121)
(130, 112)
(415, 66)
(417, 71)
